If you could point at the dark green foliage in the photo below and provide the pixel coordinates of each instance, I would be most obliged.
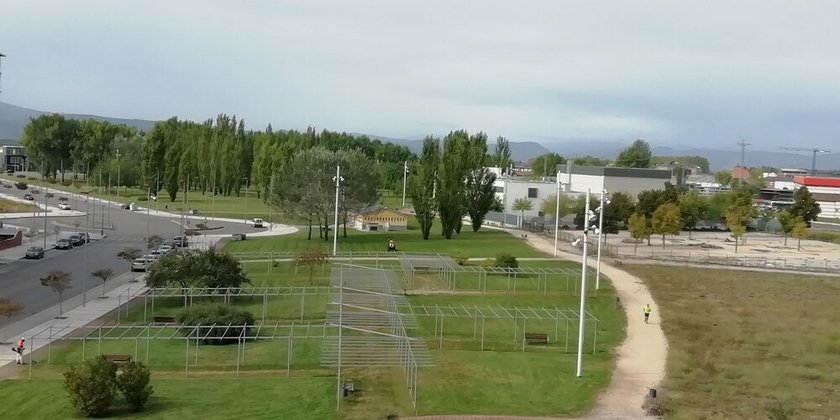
(133, 382)
(546, 165)
(229, 323)
(505, 260)
(804, 206)
(90, 387)
(638, 155)
(21, 185)
(185, 268)
(423, 185)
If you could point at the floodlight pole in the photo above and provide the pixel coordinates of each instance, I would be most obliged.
(337, 180)
(504, 203)
(557, 214)
(46, 193)
(405, 178)
(600, 232)
(583, 288)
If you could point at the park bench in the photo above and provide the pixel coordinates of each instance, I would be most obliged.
(349, 389)
(535, 338)
(164, 319)
(117, 358)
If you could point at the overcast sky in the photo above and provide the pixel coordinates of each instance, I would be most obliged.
(673, 72)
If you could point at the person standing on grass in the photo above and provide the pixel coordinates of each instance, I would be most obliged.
(19, 350)
(647, 311)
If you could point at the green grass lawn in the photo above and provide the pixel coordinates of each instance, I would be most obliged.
(747, 344)
(11, 206)
(178, 398)
(485, 243)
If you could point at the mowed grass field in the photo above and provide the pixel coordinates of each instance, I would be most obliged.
(502, 379)
(747, 344)
(486, 243)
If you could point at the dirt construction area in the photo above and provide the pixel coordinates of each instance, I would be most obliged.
(755, 250)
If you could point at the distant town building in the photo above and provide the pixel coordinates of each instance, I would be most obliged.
(13, 158)
(740, 172)
(704, 184)
(379, 218)
(631, 181)
(826, 191)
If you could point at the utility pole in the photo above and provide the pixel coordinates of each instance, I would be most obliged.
(118, 173)
(743, 150)
(405, 177)
(1, 73)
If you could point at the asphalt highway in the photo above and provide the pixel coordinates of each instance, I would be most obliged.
(20, 280)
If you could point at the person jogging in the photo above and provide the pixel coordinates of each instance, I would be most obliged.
(647, 311)
(18, 349)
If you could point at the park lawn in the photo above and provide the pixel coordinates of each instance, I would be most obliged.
(485, 243)
(191, 398)
(11, 206)
(744, 344)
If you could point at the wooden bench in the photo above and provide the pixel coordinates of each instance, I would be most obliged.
(536, 338)
(163, 320)
(349, 389)
(117, 359)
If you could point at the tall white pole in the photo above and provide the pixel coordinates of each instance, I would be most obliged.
(600, 233)
(583, 288)
(504, 204)
(118, 173)
(405, 177)
(246, 202)
(335, 224)
(557, 214)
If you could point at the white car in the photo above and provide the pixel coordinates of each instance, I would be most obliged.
(257, 223)
(140, 264)
(166, 249)
(64, 206)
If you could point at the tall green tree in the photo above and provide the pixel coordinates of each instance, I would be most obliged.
(423, 185)
(639, 228)
(804, 206)
(452, 174)
(502, 156)
(638, 155)
(787, 221)
(692, 207)
(545, 165)
(479, 190)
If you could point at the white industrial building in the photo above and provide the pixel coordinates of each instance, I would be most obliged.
(631, 181)
(826, 191)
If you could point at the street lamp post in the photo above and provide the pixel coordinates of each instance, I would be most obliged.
(581, 325)
(557, 213)
(337, 180)
(46, 191)
(504, 203)
(601, 211)
(405, 178)
(246, 202)
(118, 174)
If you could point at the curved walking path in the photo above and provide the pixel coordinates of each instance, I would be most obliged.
(640, 358)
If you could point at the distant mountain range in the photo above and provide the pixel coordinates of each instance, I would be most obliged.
(14, 118)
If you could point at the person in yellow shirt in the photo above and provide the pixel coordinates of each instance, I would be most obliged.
(647, 311)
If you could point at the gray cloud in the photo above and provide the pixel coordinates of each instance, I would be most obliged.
(673, 72)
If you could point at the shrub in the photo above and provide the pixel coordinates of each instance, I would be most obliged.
(90, 387)
(52, 180)
(133, 383)
(67, 183)
(21, 185)
(228, 323)
(505, 260)
(20, 176)
(460, 258)
(142, 198)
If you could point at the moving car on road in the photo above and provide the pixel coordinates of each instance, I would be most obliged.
(63, 244)
(35, 253)
(140, 264)
(257, 223)
(28, 197)
(64, 206)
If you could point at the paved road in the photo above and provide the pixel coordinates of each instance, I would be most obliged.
(19, 280)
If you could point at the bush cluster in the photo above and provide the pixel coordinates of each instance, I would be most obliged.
(460, 258)
(21, 185)
(229, 323)
(505, 260)
(92, 386)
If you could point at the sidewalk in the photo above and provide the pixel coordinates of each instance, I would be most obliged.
(45, 323)
(18, 252)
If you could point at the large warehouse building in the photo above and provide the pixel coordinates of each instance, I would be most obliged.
(826, 191)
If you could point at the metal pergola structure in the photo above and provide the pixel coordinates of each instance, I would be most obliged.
(196, 334)
(516, 314)
(444, 266)
(363, 303)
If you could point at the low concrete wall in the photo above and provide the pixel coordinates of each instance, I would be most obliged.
(8, 241)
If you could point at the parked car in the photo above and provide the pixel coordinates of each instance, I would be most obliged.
(257, 223)
(180, 241)
(166, 249)
(35, 253)
(85, 235)
(64, 206)
(63, 244)
(125, 206)
(140, 264)
(28, 197)
(155, 255)
(76, 239)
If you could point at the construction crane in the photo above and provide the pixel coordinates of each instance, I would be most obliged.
(814, 152)
(1, 73)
